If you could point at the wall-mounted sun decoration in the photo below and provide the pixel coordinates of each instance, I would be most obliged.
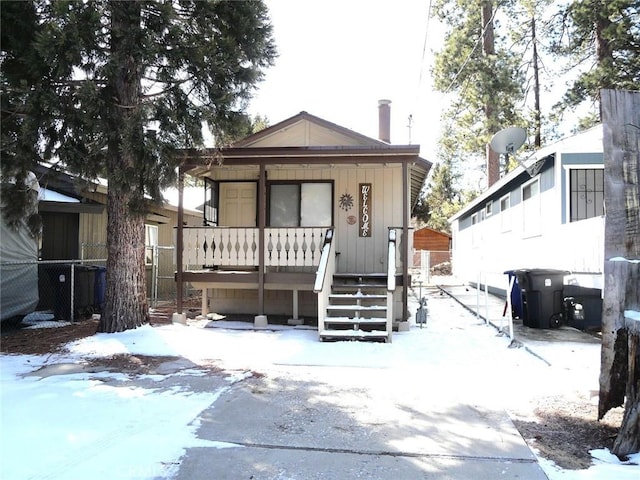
(346, 201)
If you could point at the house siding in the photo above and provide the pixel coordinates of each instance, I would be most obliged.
(504, 241)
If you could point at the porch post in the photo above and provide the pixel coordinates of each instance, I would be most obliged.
(262, 214)
(405, 240)
(178, 316)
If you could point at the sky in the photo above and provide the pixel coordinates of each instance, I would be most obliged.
(95, 417)
(338, 58)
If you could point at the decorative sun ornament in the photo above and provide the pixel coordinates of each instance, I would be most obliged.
(346, 201)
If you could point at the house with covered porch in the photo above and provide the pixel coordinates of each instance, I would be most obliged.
(305, 219)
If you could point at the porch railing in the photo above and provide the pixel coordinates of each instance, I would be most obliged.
(324, 277)
(238, 246)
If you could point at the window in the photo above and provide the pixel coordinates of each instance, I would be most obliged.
(488, 209)
(586, 193)
(531, 218)
(505, 203)
(530, 190)
(301, 204)
(505, 213)
(210, 202)
(150, 242)
(475, 236)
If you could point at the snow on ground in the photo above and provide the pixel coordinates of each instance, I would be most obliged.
(98, 425)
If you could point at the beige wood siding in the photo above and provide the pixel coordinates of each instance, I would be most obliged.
(305, 133)
(358, 254)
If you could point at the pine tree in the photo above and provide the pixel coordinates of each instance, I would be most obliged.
(126, 84)
(600, 40)
(476, 67)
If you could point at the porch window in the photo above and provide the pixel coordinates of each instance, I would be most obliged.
(301, 204)
(150, 242)
(210, 202)
(586, 190)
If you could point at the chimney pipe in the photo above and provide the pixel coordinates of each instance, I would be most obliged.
(493, 166)
(384, 120)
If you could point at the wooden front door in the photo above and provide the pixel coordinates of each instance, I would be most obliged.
(238, 204)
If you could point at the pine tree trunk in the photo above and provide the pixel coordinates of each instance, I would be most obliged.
(620, 361)
(125, 299)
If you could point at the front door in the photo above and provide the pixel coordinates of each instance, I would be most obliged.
(238, 204)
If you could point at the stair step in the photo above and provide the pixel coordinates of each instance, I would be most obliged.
(355, 334)
(355, 286)
(358, 308)
(363, 296)
(359, 275)
(355, 321)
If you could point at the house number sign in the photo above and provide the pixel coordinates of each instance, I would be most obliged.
(364, 213)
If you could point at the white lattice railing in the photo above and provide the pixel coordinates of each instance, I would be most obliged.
(238, 246)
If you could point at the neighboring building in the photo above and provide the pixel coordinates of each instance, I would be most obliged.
(435, 244)
(74, 227)
(552, 218)
(280, 200)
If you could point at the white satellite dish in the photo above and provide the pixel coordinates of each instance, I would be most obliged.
(508, 140)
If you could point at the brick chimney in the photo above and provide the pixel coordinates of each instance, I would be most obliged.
(493, 166)
(384, 120)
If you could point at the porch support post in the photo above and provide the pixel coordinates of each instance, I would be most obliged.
(179, 317)
(262, 220)
(405, 240)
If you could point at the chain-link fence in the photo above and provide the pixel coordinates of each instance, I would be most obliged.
(37, 291)
(428, 263)
(43, 290)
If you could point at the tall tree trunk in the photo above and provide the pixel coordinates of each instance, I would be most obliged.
(126, 299)
(536, 86)
(620, 368)
(488, 49)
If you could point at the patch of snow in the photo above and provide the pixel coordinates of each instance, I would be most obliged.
(91, 419)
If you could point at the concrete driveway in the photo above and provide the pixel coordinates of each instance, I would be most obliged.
(412, 421)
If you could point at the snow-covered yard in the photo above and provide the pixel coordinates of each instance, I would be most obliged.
(62, 419)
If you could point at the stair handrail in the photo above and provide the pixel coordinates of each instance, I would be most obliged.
(326, 267)
(391, 261)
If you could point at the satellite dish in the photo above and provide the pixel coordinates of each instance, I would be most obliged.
(508, 140)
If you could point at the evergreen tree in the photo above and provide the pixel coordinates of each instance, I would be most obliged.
(601, 40)
(476, 67)
(126, 84)
(442, 197)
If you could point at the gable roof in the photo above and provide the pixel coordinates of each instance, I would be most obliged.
(307, 139)
(307, 130)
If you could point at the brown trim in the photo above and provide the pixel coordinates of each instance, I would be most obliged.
(405, 241)
(262, 218)
(63, 207)
(284, 280)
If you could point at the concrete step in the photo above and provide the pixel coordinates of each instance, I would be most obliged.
(327, 334)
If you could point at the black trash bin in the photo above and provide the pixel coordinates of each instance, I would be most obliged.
(590, 299)
(542, 296)
(83, 298)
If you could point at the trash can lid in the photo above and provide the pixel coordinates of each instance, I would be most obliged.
(547, 271)
(537, 271)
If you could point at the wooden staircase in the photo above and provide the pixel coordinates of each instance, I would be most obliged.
(359, 308)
